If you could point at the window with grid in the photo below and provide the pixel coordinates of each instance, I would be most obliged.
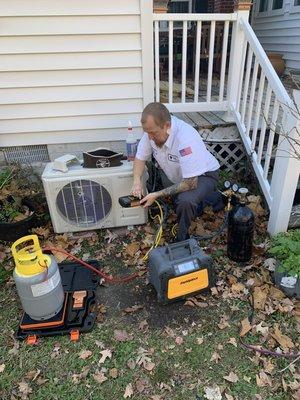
(297, 3)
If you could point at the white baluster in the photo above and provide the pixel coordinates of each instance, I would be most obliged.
(264, 124)
(211, 59)
(170, 61)
(156, 33)
(241, 75)
(197, 65)
(184, 51)
(258, 109)
(224, 58)
(271, 138)
(245, 94)
(251, 101)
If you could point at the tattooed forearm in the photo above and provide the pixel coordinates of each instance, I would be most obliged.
(183, 186)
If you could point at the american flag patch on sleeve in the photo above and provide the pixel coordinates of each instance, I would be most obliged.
(186, 151)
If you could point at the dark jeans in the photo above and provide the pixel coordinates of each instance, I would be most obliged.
(186, 203)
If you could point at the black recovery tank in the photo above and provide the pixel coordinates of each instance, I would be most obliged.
(240, 230)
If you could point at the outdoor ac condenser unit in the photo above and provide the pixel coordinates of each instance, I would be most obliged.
(87, 198)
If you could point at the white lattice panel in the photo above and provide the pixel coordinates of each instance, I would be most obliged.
(231, 156)
(225, 144)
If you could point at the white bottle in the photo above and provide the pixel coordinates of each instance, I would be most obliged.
(131, 143)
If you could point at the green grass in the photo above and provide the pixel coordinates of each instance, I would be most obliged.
(186, 368)
(4, 275)
(181, 372)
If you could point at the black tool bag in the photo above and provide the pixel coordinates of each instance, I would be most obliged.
(101, 158)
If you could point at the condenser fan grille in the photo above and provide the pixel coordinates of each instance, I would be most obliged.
(83, 202)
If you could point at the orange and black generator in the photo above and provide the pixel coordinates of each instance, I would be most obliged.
(179, 270)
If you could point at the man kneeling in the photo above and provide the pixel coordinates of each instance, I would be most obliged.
(190, 171)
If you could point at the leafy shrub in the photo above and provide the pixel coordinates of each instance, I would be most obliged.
(8, 212)
(12, 209)
(286, 248)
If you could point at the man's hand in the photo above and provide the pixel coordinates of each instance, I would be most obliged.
(148, 200)
(137, 190)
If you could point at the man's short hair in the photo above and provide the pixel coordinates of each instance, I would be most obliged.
(159, 112)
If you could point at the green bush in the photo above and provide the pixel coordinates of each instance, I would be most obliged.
(286, 248)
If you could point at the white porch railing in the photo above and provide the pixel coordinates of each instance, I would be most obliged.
(267, 121)
(206, 46)
(254, 95)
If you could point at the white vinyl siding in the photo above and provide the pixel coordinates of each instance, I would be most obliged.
(55, 61)
(73, 43)
(70, 78)
(279, 31)
(71, 71)
(64, 7)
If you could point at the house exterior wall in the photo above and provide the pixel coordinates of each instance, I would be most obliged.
(279, 31)
(220, 6)
(73, 72)
(223, 6)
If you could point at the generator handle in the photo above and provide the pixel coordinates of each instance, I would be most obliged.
(173, 246)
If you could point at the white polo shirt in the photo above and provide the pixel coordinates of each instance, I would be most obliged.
(184, 154)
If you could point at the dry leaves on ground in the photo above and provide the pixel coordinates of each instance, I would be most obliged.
(231, 377)
(223, 324)
(24, 389)
(215, 357)
(77, 378)
(259, 297)
(143, 326)
(144, 359)
(285, 342)
(254, 203)
(131, 364)
(262, 379)
(246, 327)
(113, 373)
(263, 330)
(179, 340)
(193, 302)
(133, 309)
(122, 336)
(212, 393)
(128, 391)
(84, 354)
(132, 248)
(232, 341)
(200, 340)
(99, 377)
(105, 354)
